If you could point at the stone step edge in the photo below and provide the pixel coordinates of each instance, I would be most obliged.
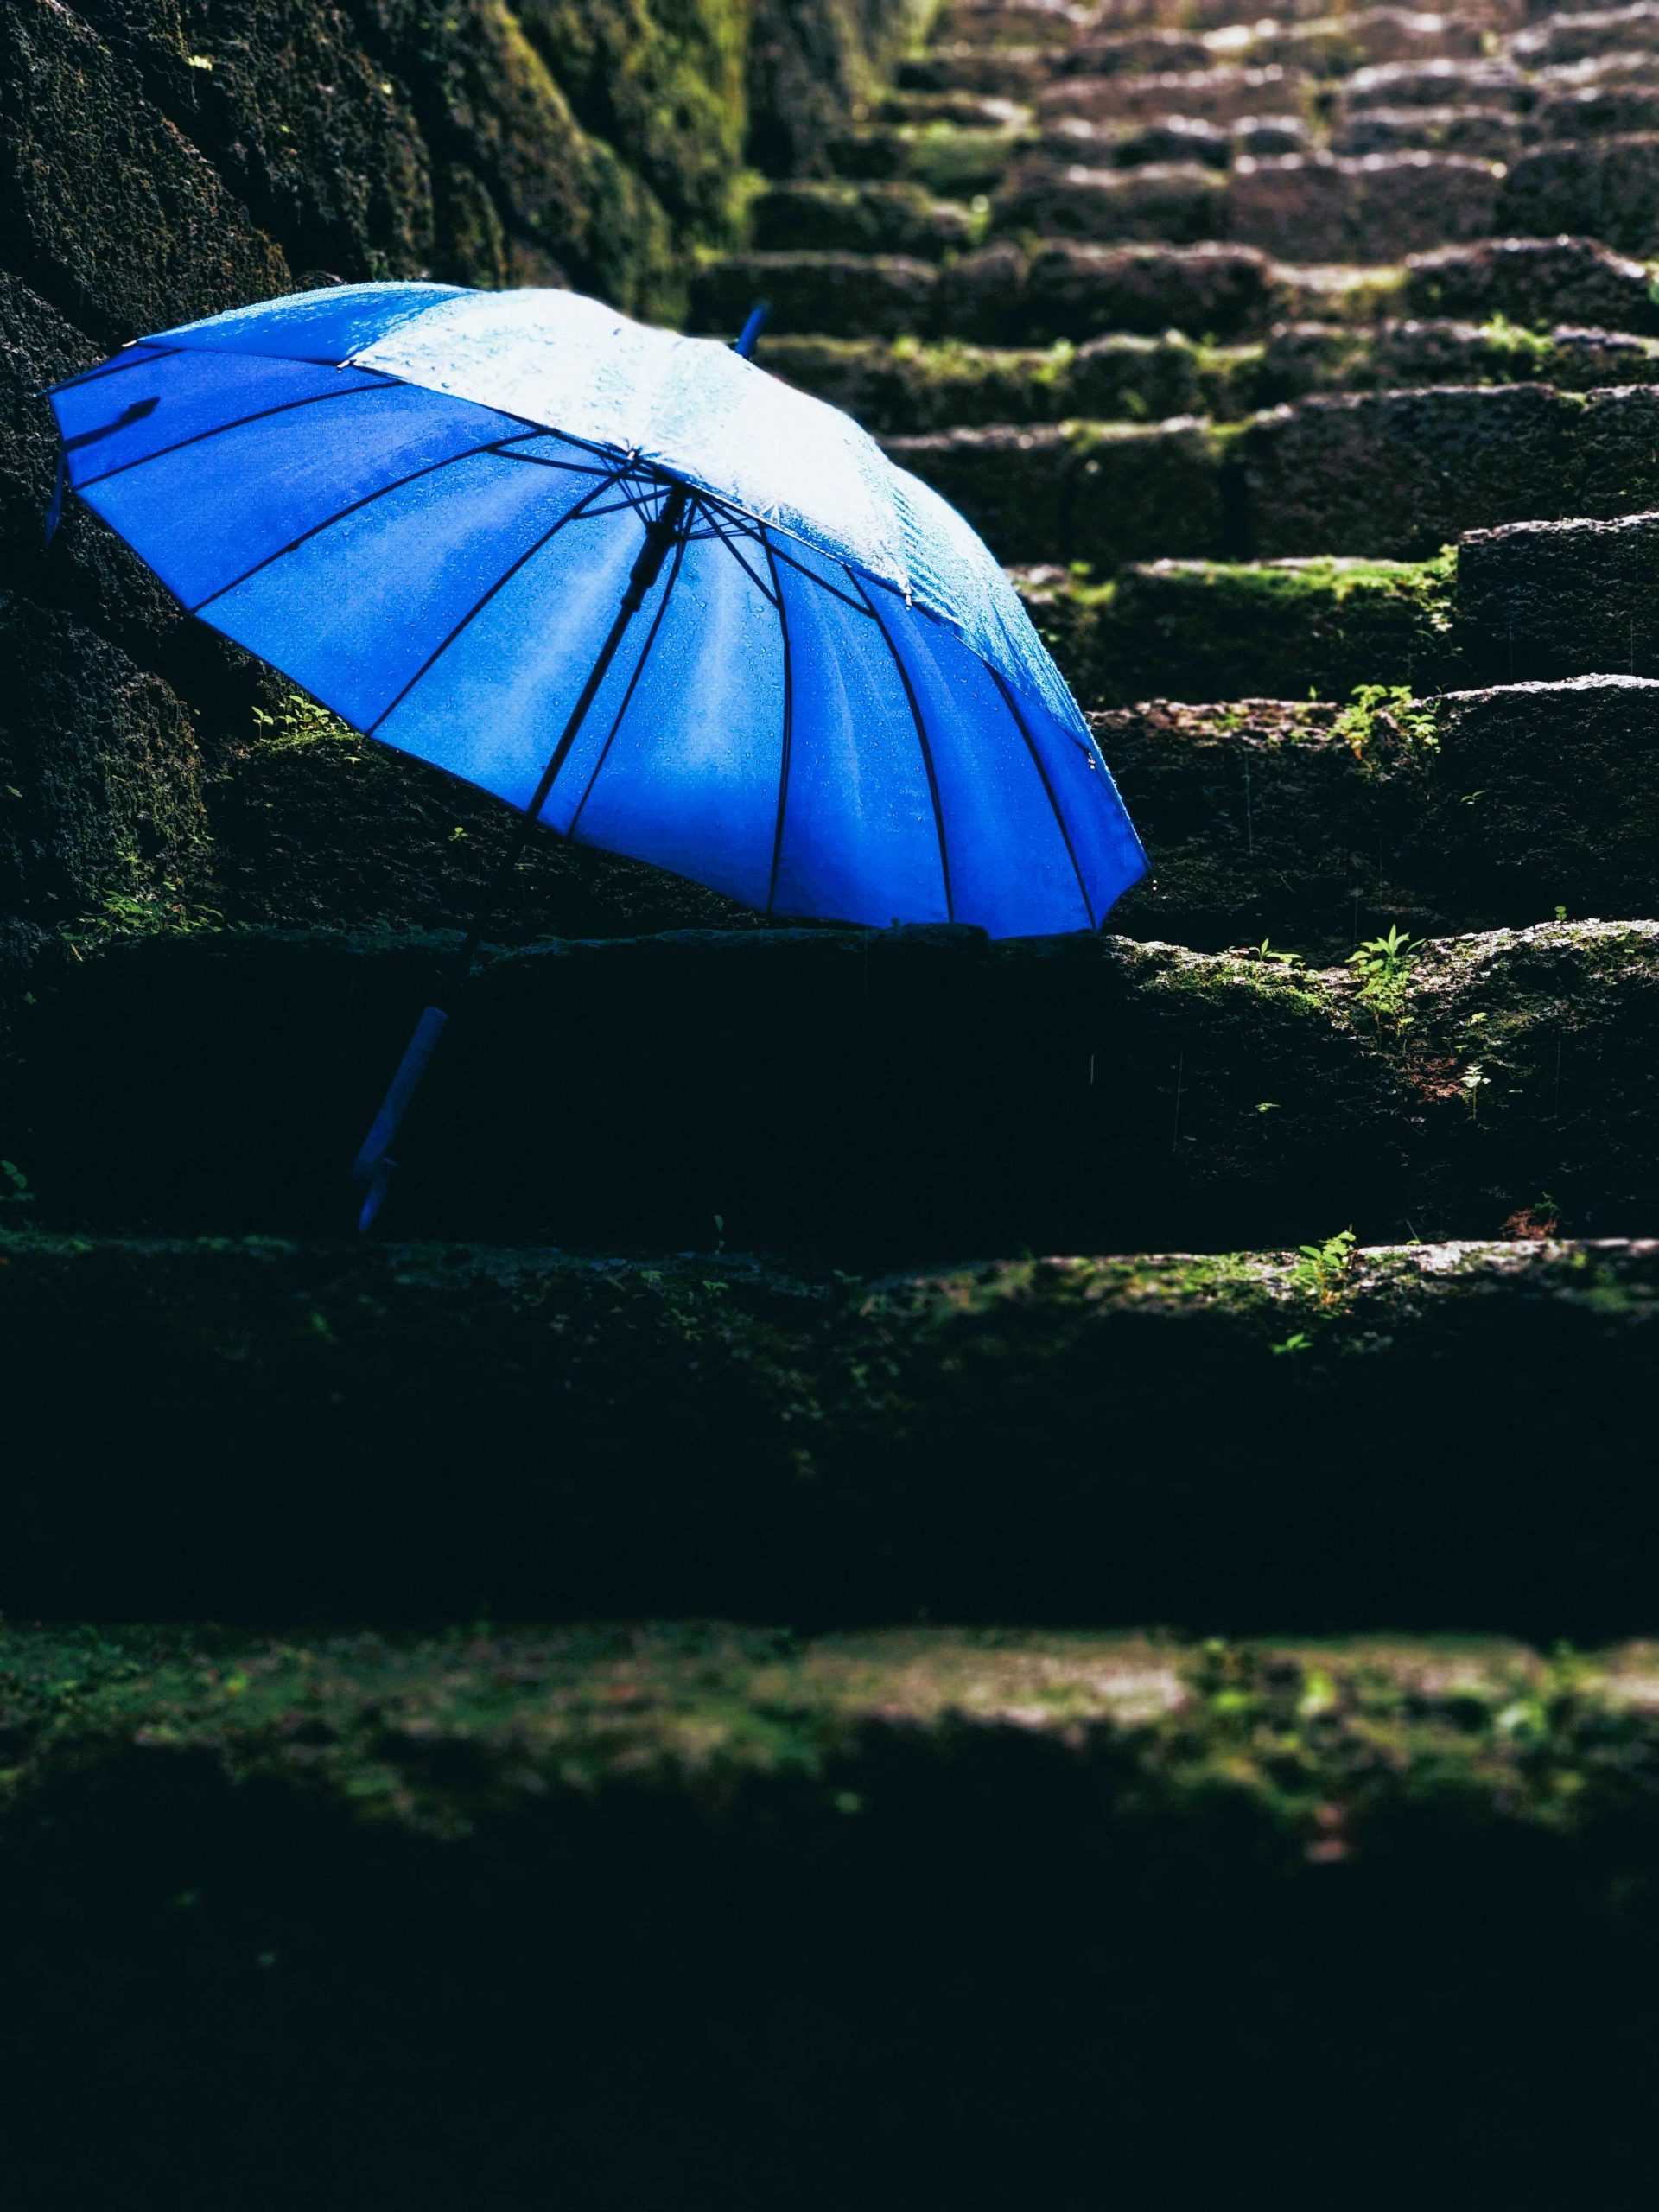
(1359, 1285)
(709, 1711)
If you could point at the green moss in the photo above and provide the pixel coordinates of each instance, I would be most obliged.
(1209, 630)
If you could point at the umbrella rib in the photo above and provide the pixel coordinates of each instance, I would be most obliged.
(218, 430)
(787, 746)
(1019, 720)
(628, 696)
(921, 740)
(777, 554)
(730, 544)
(380, 492)
(479, 605)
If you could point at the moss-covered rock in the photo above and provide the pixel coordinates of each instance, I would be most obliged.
(100, 797)
(115, 217)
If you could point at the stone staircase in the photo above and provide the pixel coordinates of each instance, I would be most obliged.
(1306, 375)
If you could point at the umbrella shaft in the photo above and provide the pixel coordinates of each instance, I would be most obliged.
(373, 1167)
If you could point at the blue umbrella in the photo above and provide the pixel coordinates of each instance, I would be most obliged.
(653, 598)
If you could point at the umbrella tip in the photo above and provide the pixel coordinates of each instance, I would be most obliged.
(745, 344)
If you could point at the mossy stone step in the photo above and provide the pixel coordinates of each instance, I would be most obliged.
(862, 1097)
(899, 387)
(896, 217)
(420, 1432)
(1311, 826)
(1224, 92)
(946, 1906)
(1287, 630)
(1388, 475)
(909, 385)
(1011, 294)
(959, 160)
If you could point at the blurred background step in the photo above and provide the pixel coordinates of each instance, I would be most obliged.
(867, 1098)
(892, 216)
(1014, 1870)
(420, 1433)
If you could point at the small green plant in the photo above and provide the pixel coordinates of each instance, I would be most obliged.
(163, 909)
(1322, 1271)
(1382, 966)
(1301, 1341)
(1356, 724)
(298, 721)
(1267, 951)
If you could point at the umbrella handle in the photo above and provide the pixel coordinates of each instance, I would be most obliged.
(372, 1170)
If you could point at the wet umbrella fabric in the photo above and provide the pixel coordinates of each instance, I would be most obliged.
(653, 598)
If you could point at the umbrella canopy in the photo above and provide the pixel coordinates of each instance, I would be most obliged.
(425, 505)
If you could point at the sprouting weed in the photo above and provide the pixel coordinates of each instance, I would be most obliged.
(1383, 966)
(1301, 1341)
(1321, 1271)
(298, 721)
(1267, 951)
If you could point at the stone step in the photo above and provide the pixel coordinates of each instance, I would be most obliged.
(1530, 602)
(1488, 134)
(897, 388)
(1009, 294)
(1222, 631)
(1011, 72)
(221, 1082)
(1551, 600)
(1575, 36)
(955, 1909)
(1377, 207)
(890, 217)
(1396, 355)
(1603, 187)
(907, 386)
(428, 1432)
(1480, 84)
(1327, 46)
(1312, 828)
(950, 159)
(1391, 475)
(1221, 94)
